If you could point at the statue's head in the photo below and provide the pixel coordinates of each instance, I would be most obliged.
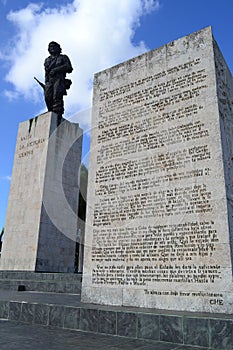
(54, 48)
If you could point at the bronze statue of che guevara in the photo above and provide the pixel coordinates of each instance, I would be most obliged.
(56, 67)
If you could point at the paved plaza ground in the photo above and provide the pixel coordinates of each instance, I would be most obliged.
(15, 336)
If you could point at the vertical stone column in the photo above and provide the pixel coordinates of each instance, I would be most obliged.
(41, 222)
(160, 194)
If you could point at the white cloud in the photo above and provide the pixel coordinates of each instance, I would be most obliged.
(151, 5)
(94, 36)
(8, 178)
(11, 95)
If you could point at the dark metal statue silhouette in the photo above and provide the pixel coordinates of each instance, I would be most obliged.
(56, 67)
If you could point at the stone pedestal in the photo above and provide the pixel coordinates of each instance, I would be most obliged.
(41, 222)
(159, 211)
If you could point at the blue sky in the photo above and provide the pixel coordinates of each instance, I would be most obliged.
(95, 34)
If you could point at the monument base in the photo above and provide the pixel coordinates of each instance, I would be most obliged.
(41, 223)
(185, 329)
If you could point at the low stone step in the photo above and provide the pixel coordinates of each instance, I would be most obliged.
(42, 286)
(181, 330)
(30, 275)
(41, 282)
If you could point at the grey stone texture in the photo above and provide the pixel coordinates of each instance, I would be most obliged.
(41, 222)
(44, 282)
(127, 324)
(196, 331)
(159, 203)
(171, 329)
(16, 336)
(89, 320)
(107, 322)
(41, 314)
(148, 326)
(181, 330)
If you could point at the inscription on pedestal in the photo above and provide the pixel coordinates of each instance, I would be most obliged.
(157, 209)
(28, 145)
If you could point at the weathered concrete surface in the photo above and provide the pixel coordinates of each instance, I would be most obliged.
(41, 222)
(159, 214)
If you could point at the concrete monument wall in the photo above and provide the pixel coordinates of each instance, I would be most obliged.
(41, 222)
(159, 211)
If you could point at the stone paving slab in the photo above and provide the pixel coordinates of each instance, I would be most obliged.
(15, 336)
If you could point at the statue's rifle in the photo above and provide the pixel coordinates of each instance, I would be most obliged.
(40, 83)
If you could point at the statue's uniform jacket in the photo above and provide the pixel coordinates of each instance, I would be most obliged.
(56, 68)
